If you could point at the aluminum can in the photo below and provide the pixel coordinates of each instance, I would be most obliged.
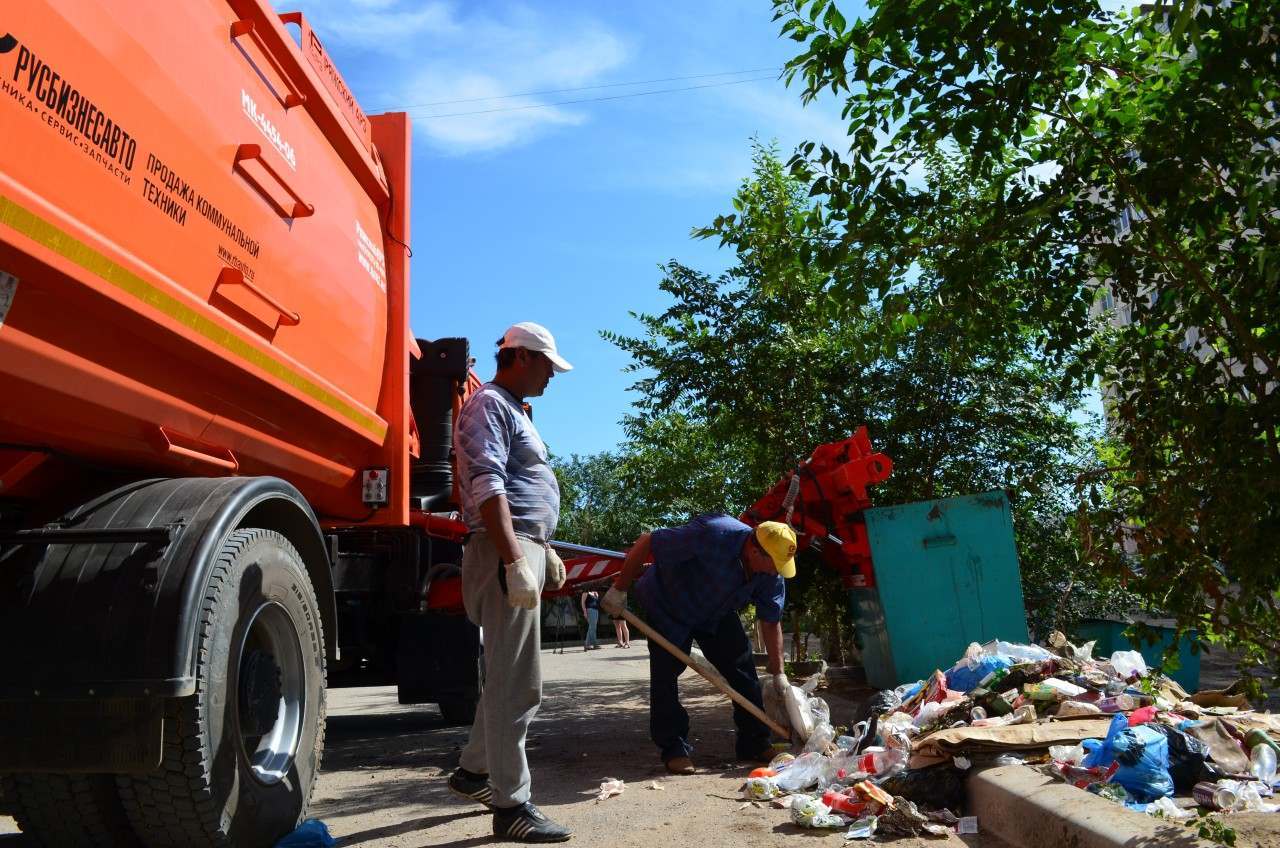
(1213, 796)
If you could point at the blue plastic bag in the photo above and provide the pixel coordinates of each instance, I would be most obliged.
(965, 677)
(312, 833)
(1143, 755)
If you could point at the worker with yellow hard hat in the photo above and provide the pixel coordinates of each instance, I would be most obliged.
(703, 573)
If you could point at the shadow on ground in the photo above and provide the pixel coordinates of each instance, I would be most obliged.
(594, 727)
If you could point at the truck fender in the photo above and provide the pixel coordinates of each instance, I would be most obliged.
(104, 602)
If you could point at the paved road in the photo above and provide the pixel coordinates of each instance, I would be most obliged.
(383, 780)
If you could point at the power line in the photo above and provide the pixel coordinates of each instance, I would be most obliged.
(593, 99)
(583, 88)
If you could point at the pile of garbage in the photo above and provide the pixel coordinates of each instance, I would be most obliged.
(1110, 726)
(855, 780)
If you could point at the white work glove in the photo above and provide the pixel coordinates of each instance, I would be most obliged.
(522, 590)
(614, 601)
(775, 700)
(556, 574)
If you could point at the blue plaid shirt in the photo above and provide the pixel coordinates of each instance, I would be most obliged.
(697, 576)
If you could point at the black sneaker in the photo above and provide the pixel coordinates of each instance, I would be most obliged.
(472, 786)
(526, 823)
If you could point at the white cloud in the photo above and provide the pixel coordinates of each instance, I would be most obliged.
(380, 25)
(430, 53)
(502, 57)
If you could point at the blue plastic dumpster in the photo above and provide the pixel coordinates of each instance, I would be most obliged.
(946, 574)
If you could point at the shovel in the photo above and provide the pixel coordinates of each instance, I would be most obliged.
(655, 636)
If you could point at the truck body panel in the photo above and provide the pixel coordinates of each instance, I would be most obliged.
(199, 277)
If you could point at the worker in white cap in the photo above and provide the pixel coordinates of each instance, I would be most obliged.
(511, 503)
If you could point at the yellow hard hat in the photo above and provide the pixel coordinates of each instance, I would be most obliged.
(779, 541)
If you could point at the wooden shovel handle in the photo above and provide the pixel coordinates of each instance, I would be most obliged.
(734, 695)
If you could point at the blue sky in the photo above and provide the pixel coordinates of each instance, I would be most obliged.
(561, 215)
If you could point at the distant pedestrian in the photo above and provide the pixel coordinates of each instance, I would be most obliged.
(621, 633)
(591, 609)
(511, 503)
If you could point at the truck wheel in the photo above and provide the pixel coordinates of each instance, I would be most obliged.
(459, 710)
(242, 754)
(56, 810)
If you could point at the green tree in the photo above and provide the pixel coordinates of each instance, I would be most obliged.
(1132, 157)
(597, 508)
(746, 373)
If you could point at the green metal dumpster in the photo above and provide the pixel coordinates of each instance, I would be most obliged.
(1110, 637)
(946, 574)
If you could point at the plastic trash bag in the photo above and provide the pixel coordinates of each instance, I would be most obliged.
(609, 787)
(808, 811)
(1165, 808)
(312, 833)
(1128, 663)
(1187, 756)
(1017, 652)
(907, 691)
(1071, 754)
(973, 668)
(934, 786)
(863, 828)
(761, 788)
(1143, 756)
(797, 703)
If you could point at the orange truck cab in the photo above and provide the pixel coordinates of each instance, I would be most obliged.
(224, 460)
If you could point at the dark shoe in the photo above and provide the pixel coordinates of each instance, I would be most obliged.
(472, 786)
(680, 765)
(526, 823)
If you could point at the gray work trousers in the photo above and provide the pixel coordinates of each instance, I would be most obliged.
(512, 669)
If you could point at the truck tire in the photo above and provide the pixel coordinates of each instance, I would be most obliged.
(57, 810)
(241, 755)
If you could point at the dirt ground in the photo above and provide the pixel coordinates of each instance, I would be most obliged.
(385, 765)
(384, 778)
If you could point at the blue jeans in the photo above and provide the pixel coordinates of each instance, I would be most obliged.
(729, 650)
(593, 618)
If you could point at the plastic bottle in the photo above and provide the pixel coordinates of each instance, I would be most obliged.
(879, 762)
(820, 738)
(1026, 714)
(977, 713)
(848, 805)
(801, 774)
(1262, 764)
(1259, 737)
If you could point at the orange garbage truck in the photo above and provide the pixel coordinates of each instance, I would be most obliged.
(225, 476)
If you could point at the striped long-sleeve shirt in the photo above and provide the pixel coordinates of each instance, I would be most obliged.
(500, 453)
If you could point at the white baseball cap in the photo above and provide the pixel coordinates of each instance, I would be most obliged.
(531, 336)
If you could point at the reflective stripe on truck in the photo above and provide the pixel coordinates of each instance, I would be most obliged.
(49, 236)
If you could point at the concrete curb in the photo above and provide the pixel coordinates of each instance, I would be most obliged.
(1024, 807)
